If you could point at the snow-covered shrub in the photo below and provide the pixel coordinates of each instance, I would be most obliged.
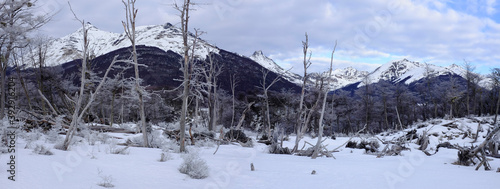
(52, 135)
(93, 137)
(165, 156)
(114, 149)
(168, 126)
(170, 146)
(156, 139)
(42, 150)
(205, 143)
(106, 180)
(34, 135)
(59, 145)
(194, 166)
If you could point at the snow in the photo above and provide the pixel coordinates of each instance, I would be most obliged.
(165, 37)
(268, 63)
(230, 166)
(341, 77)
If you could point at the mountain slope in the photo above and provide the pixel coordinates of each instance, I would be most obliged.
(269, 64)
(166, 37)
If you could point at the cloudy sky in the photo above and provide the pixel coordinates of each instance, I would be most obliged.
(369, 32)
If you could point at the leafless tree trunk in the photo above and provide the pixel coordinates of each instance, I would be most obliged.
(318, 146)
(265, 87)
(129, 27)
(233, 82)
(211, 73)
(21, 79)
(242, 118)
(301, 113)
(469, 76)
(184, 10)
(495, 75)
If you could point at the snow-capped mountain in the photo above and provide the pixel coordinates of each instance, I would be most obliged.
(269, 64)
(169, 38)
(346, 76)
(165, 37)
(410, 71)
(340, 77)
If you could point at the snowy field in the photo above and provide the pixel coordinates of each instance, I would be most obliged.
(89, 164)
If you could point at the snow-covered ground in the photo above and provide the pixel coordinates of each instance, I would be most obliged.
(87, 166)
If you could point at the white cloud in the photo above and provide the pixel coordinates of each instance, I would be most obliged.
(365, 29)
(490, 7)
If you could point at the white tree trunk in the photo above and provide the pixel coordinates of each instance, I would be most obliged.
(318, 146)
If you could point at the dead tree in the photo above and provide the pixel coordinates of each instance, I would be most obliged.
(266, 87)
(211, 71)
(129, 27)
(318, 146)
(184, 15)
(495, 76)
(234, 82)
(242, 118)
(300, 123)
(17, 21)
(77, 114)
(466, 155)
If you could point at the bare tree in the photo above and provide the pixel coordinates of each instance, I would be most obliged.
(470, 77)
(19, 61)
(318, 146)
(17, 20)
(211, 71)
(37, 51)
(129, 27)
(77, 114)
(266, 87)
(495, 76)
(234, 82)
(301, 114)
(184, 15)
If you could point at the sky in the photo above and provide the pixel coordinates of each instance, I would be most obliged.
(368, 32)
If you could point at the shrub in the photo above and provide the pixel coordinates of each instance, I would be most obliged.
(42, 150)
(106, 180)
(165, 157)
(113, 149)
(194, 166)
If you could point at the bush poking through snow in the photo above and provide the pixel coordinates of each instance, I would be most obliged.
(194, 166)
(105, 180)
(275, 148)
(42, 150)
(113, 149)
(165, 156)
(368, 145)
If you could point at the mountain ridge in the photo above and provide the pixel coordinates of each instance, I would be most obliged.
(169, 38)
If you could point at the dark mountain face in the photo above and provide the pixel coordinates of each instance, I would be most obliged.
(162, 70)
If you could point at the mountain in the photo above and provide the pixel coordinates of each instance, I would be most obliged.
(269, 64)
(165, 37)
(168, 39)
(159, 48)
(346, 76)
(340, 77)
(409, 71)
